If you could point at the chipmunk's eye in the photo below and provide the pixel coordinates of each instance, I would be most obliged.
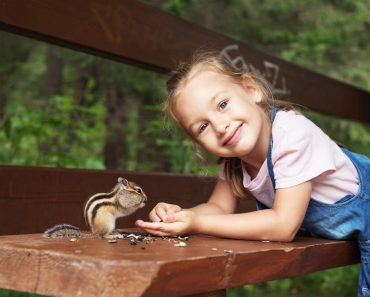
(138, 190)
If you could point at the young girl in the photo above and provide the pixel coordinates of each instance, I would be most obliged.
(300, 178)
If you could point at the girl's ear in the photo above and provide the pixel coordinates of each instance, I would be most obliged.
(252, 87)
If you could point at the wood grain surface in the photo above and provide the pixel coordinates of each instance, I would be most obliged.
(86, 267)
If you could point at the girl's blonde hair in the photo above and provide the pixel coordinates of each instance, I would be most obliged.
(213, 61)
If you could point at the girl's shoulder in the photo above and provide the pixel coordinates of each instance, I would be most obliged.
(292, 126)
(302, 151)
(291, 120)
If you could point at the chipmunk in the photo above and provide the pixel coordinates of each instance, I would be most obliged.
(101, 211)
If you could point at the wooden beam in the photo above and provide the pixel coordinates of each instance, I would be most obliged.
(134, 32)
(44, 197)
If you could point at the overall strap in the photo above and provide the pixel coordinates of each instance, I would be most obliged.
(269, 158)
(259, 205)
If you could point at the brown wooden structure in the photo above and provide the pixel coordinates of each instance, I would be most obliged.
(33, 198)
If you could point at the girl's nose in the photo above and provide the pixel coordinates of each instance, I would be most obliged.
(221, 127)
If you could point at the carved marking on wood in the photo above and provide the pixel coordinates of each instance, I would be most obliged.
(271, 71)
(115, 22)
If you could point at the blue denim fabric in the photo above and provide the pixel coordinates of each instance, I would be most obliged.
(348, 218)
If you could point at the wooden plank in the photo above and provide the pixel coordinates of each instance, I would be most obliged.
(44, 197)
(218, 293)
(133, 32)
(59, 267)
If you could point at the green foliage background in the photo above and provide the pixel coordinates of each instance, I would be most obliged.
(97, 105)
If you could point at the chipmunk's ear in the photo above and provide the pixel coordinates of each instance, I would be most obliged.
(123, 181)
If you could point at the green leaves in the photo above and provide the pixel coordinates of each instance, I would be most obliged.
(43, 133)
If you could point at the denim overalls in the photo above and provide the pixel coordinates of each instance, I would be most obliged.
(348, 218)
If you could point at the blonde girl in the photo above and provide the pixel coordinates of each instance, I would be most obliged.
(300, 178)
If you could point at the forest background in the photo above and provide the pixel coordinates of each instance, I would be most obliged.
(63, 108)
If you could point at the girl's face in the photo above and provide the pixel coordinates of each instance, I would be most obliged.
(223, 116)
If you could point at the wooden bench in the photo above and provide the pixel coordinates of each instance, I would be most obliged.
(34, 198)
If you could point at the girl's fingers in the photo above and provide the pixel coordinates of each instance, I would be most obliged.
(171, 209)
(162, 212)
(174, 208)
(153, 216)
(156, 228)
(150, 225)
(157, 214)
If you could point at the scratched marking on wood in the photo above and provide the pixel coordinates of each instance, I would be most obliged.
(115, 21)
(270, 71)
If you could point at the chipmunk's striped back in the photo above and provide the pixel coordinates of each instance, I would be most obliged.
(97, 201)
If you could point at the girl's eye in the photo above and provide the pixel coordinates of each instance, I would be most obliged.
(203, 127)
(223, 105)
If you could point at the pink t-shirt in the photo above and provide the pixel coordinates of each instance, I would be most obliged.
(302, 152)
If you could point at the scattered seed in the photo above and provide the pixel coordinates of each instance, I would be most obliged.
(148, 239)
(181, 244)
(137, 237)
(134, 241)
(73, 239)
(228, 251)
(112, 241)
(214, 249)
(183, 238)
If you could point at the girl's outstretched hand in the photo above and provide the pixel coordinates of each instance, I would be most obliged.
(177, 223)
(163, 211)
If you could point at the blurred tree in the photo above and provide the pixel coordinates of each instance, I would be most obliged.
(13, 52)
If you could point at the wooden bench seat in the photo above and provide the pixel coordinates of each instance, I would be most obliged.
(93, 267)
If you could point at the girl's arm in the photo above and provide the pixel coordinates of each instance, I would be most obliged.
(280, 223)
(222, 201)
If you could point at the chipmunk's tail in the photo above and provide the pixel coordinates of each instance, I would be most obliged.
(62, 230)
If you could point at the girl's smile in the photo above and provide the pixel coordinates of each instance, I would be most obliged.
(233, 136)
(223, 116)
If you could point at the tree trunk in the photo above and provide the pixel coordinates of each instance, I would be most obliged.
(54, 73)
(3, 100)
(115, 148)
